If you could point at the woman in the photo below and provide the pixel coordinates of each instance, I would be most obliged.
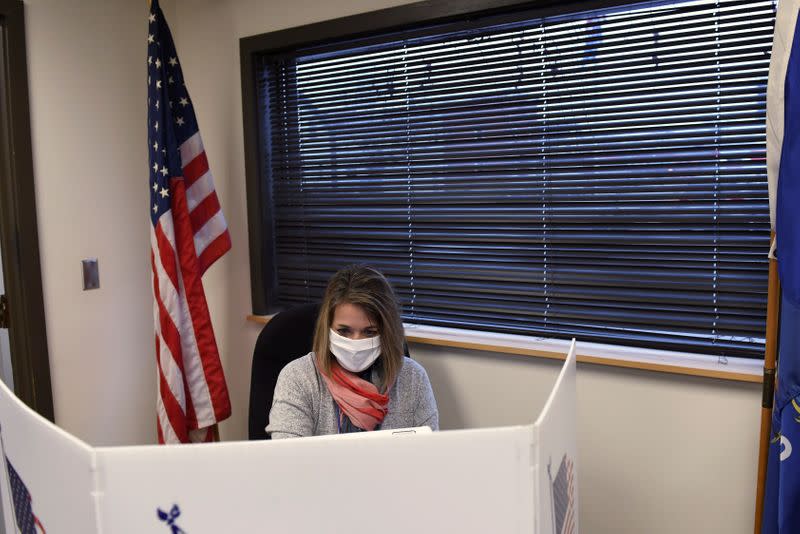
(357, 377)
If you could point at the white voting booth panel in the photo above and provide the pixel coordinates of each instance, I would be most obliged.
(507, 480)
(395, 484)
(55, 467)
(555, 439)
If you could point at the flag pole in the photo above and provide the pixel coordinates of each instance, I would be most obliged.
(768, 386)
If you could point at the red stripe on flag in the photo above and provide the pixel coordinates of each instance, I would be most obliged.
(195, 168)
(172, 337)
(158, 419)
(203, 212)
(166, 255)
(214, 251)
(173, 409)
(171, 405)
(169, 332)
(196, 300)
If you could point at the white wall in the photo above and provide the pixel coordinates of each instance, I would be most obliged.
(658, 453)
(87, 76)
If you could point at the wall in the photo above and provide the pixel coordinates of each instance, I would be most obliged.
(87, 76)
(658, 453)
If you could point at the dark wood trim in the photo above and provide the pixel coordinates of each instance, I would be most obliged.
(252, 170)
(18, 227)
(263, 275)
(427, 17)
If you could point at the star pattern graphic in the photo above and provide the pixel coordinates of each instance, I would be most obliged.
(167, 130)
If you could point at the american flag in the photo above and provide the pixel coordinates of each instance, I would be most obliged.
(188, 234)
(23, 511)
(564, 498)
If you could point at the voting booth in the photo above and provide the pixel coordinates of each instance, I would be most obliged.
(517, 479)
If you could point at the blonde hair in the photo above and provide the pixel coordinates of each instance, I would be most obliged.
(367, 288)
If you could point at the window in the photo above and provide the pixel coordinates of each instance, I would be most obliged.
(598, 174)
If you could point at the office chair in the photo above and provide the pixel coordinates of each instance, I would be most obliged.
(286, 337)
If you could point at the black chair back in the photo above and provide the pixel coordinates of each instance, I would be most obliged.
(286, 337)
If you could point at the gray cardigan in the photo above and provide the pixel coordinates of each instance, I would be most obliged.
(303, 406)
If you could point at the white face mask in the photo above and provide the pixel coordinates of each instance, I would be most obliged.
(355, 355)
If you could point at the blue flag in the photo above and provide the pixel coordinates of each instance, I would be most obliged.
(782, 492)
(782, 495)
(787, 218)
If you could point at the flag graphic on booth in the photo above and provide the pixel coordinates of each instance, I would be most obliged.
(564, 498)
(188, 234)
(26, 521)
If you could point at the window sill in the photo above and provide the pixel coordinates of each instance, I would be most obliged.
(736, 369)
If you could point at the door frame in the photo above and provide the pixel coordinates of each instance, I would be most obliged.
(19, 237)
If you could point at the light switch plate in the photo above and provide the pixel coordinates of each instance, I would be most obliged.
(91, 276)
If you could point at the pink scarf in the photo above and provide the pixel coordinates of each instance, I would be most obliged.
(360, 400)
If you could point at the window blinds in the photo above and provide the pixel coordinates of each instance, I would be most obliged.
(598, 175)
